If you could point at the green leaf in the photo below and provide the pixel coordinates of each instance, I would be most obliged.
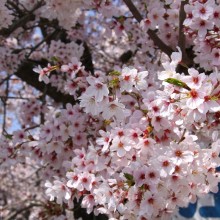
(8, 136)
(214, 98)
(178, 83)
(114, 83)
(55, 59)
(114, 73)
(130, 179)
(128, 176)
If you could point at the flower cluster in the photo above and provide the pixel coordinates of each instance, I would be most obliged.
(67, 12)
(145, 161)
(6, 15)
(202, 21)
(28, 111)
(64, 51)
(10, 61)
(201, 27)
(128, 178)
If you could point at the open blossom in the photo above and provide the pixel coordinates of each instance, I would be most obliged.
(140, 81)
(127, 79)
(203, 11)
(166, 165)
(72, 68)
(156, 16)
(202, 26)
(145, 24)
(104, 140)
(140, 176)
(86, 180)
(114, 109)
(215, 56)
(189, 15)
(176, 57)
(150, 204)
(44, 73)
(195, 79)
(160, 123)
(97, 89)
(146, 146)
(130, 78)
(57, 190)
(88, 202)
(196, 98)
(55, 146)
(47, 132)
(19, 136)
(169, 72)
(80, 181)
(120, 145)
(90, 104)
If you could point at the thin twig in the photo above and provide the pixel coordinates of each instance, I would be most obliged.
(4, 100)
(6, 78)
(41, 42)
(14, 6)
(32, 127)
(12, 97)
(182, 137)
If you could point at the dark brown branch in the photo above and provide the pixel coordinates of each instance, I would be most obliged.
(182, 17)
(133, 10)
(182, 137)
(86, 58)
(157, 41)
(26, 74)
(182, 39)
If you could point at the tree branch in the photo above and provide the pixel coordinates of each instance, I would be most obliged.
(182, 39)
(157, 41)
(182, 16)
(133, 10)
(26, 74)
